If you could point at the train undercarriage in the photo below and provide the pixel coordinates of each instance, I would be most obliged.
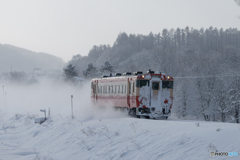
(145, 113)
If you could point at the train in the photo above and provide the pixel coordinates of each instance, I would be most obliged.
(147, 95)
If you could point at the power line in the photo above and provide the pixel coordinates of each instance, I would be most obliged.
(212, 76)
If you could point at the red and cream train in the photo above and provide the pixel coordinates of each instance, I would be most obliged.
(149, 95)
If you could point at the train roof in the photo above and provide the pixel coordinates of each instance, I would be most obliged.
(135, 75)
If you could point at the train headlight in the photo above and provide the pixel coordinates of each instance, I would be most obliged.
(143, 76)
(168, 77)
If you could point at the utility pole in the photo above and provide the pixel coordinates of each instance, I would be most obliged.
(72, 105)
(3, 91)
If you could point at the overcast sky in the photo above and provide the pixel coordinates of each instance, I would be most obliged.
(68, 27)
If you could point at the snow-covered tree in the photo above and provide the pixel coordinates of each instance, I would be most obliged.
(18, 77)
(70, 72)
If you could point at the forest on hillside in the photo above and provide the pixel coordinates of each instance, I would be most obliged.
(204, 63)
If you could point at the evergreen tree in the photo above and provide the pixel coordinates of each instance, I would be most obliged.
(70, 72)
(90, 72)
(107, 68)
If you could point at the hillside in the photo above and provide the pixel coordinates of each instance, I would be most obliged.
(25, 60)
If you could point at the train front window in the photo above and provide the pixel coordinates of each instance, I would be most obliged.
(140, 83)
(167, 84)
(155, 85)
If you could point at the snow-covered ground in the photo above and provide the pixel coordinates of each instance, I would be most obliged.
(113, 138)
(101, 134)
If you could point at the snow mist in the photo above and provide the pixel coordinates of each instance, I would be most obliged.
(29, 99)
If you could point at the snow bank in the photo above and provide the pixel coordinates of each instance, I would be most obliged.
(63, 138)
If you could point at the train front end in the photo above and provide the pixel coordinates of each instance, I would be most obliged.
(155, 95)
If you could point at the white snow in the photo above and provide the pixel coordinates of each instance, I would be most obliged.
(148, 76)
(103, 133)
(113, 138)
(144, 96)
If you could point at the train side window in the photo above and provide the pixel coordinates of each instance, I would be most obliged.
(99, 90)
(125, 89)
(113, 89)
(107, 91)
(116, 89)
(120, 89)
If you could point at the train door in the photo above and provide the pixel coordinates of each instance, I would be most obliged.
(131, 94)
(133, 99)
(128, 93)
(94, 91)
(155, 95)
(167, 87)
